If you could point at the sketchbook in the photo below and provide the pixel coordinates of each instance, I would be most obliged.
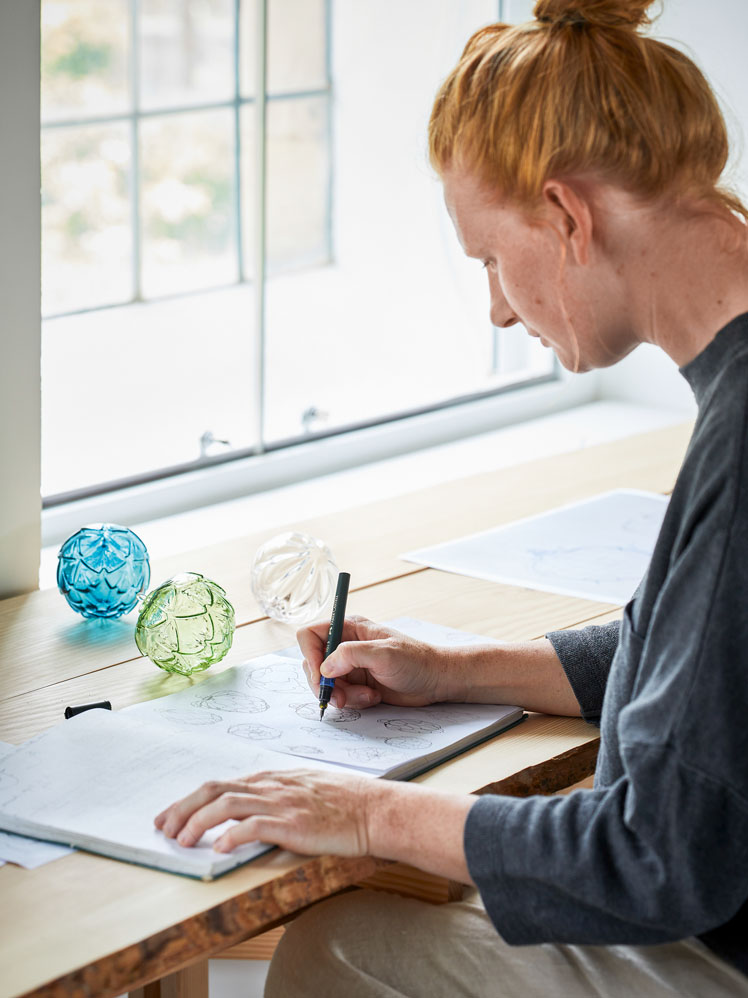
(597, 549)
(96, 781)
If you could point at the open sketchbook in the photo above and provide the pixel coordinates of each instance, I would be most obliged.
(96, 781)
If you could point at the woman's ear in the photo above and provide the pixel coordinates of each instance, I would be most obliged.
(569, 212)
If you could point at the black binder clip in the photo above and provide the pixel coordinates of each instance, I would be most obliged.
(72, 711)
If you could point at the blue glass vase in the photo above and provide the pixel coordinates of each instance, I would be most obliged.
(102, 570)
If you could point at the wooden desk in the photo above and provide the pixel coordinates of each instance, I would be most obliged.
(85, 925)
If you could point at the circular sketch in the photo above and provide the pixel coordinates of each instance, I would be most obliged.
(311, 712)
(188, 715)
(283, 677)
(304, 750)
(255, 732)
(232, 700)
(331, 734)
(404, 742)
(369, 753)
(411, 726)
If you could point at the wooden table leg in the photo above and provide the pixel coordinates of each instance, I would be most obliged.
(190, 982)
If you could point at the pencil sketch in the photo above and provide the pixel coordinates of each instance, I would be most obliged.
(596, 564)
(283, 677)
(410, 726)
(453, 713)
(255, 732)
(646, 524)
(233, 701)
(331, 734)
(406, 742)
(304, 750)
(188, 715)
(370, 753)
(8, 781)
(310, 711)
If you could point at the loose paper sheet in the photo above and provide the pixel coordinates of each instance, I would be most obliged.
(267, 702)
(598, 549)
(24, 851)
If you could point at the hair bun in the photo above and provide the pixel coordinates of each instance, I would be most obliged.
(603, 13)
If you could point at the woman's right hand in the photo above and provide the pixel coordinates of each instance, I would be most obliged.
(374, 664)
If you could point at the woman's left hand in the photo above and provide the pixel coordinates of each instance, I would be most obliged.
(302, 810)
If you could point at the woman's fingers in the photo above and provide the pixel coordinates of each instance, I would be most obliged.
(354, 695)
(173, 818)
(236, 806)
(258, 828)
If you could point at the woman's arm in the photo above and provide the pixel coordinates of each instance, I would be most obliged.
(375, 663)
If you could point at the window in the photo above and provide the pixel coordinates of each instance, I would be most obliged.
(243, 244)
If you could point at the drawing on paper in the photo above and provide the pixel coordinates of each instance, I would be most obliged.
(255, 732)
(233, 701)
(332, 734)
(310, 711)
(7, 781)
(410, 726)
(598, 565)
(189, 715)
(280, 677)
(304, 750)
(370, 753)
(408, 742)
(645, 524)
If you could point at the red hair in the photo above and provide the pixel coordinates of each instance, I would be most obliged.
(580, 90)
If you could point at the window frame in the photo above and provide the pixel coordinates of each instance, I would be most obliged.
(254, 469)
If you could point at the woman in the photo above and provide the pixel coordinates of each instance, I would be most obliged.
(581, 163)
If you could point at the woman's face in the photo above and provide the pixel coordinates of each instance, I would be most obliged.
(534, 278)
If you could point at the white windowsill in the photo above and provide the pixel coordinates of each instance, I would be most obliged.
(572, 429)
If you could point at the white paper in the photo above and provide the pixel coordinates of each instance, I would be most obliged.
(105, 776)
(29, 853)
(267, 702)
(24, 851)
(598, 549)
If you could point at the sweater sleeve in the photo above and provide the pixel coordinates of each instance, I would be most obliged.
(658, 850)
(586, 655)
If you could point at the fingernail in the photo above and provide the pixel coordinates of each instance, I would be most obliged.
(185, 839)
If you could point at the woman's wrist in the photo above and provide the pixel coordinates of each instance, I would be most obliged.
(401, 820)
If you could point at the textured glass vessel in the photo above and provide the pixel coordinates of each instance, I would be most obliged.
(102, 570)
(186, 624)
(293, 577)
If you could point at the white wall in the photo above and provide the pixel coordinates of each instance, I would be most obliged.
(20, 345)
(714, 35)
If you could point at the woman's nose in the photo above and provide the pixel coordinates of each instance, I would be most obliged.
(501, 314)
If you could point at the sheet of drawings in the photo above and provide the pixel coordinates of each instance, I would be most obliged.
(267, 702)
(21, 850)
(598, 549)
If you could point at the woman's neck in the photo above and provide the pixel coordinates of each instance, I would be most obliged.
(687, 276)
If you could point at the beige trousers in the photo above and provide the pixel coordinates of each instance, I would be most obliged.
(369, 944)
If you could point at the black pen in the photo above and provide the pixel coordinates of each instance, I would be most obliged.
(334, 635)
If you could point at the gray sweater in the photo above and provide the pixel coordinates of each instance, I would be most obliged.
(658, 850)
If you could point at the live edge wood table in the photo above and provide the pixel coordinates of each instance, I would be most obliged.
(89, 926)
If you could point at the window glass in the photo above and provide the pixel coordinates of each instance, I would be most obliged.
(186, 50)
(86, 222)
(84, 58)
(187, 201)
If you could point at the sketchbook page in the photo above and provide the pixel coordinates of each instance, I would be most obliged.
(21, 850)
(598, 549)
(99, 779)
(267, 702)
